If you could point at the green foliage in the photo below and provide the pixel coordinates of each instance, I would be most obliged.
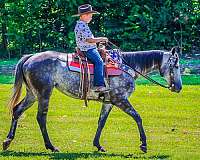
(170, 120)
(9, 62)
(5, 79)
(30, 26)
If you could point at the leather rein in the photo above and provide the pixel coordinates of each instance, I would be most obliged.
(110, 44)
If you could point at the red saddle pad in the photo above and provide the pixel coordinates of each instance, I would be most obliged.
(112, 69)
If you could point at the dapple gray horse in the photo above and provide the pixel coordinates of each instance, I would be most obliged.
(43, 71)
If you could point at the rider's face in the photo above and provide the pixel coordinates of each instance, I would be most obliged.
(86, 17)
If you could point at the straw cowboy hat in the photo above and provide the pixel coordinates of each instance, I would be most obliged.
(84, 9)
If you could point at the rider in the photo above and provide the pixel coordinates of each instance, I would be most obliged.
(86, 42)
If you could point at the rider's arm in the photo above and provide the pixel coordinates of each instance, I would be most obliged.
(97, 40)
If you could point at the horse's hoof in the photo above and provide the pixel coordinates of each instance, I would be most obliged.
(6, 144)
(143, 148)
(53, 149)
(101, 149)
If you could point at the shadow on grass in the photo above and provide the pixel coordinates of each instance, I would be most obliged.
(74, 156)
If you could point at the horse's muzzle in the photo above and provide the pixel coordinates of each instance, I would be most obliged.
(176, 88)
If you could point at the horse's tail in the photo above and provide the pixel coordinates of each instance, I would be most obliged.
(18, 83)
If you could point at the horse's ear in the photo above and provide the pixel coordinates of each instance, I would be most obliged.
(175, 49)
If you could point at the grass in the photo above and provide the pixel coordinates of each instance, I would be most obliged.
(9, 62)
(190, 79)
(187, 79)
(171, 122)
(190, 61)
(6, 79)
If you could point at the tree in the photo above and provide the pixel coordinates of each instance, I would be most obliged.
(4, 44)
(30, 26)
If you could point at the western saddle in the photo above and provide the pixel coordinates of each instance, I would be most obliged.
(80, 57)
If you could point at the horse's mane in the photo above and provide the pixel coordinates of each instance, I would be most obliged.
(143, 59)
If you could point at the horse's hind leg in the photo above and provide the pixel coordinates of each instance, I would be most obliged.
(106, 108)
(17, 112)
(43, 103)
(128, 108)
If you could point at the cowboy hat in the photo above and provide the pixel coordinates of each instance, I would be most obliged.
(84, 9)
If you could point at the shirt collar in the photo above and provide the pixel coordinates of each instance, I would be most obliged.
(80, 21)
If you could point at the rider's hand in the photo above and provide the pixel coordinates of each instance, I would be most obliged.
(104, 39)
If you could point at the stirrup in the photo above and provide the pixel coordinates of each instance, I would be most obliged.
(101, 89)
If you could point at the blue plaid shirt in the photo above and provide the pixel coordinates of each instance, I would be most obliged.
(82, 32)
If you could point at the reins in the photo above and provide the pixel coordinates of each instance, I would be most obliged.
(145, 76)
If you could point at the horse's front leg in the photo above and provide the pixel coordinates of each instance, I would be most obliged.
(128, 108)
(106, 108)
(43, 103)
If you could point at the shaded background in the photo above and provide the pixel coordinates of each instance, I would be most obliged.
(31, 26)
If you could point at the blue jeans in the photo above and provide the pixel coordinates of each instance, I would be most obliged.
(94, 56)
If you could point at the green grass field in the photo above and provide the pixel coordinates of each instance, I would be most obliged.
(171, 122)
(187, 79)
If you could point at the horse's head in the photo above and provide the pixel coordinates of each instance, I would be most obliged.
(170, 69)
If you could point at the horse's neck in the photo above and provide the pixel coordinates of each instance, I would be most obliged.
(144, 61)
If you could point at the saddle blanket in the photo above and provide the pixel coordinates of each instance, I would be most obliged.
(111, 69)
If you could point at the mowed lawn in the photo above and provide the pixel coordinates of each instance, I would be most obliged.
(171, 122)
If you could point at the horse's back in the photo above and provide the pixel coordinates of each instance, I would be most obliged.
(41, 68)
(49, 69)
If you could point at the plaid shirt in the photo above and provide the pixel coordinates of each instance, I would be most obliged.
(82, 32)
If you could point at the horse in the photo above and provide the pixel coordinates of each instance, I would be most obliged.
(44, 71)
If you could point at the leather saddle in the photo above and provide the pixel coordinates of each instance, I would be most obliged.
(111, 67)
(78, 62)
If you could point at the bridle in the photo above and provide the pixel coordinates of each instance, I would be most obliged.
(172, 62)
